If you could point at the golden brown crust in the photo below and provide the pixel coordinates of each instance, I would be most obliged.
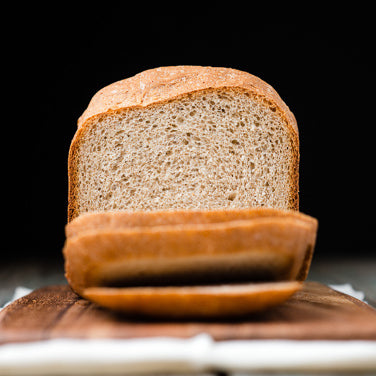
(281, 241)
(168, 83)
(115, 220)
(194, 302)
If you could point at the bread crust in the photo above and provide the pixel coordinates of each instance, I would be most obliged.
(223, 301)
(159, 85)
(116, 220)
(166, 83)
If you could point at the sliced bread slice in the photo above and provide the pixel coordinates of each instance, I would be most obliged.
(202, 302)
(260, 248)
(116, 220)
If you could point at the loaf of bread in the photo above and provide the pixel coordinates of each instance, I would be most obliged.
(184, 196)
(184, 137)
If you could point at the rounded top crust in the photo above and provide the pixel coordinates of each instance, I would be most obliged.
(166, 83)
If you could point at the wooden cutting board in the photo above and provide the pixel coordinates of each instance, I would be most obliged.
(315, 312)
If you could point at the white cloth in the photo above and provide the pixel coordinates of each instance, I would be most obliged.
(19, 292)
(198, 354)
(348, 289)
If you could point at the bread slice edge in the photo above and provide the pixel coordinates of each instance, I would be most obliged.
(220, 301)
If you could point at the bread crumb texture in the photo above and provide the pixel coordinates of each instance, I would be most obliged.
(207, 149)
(184, 138)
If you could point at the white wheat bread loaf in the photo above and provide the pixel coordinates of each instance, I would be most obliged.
(211, 142)
(184, 137)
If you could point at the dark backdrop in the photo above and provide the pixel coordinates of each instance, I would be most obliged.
(321, 65)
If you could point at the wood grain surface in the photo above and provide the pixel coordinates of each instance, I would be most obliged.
(315, 312)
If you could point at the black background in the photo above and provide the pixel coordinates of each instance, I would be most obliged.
(320, 64)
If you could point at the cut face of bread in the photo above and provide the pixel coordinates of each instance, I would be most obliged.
(221, 301)
(182, 145)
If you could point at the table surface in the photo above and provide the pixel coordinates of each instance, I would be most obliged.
(360, 273)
